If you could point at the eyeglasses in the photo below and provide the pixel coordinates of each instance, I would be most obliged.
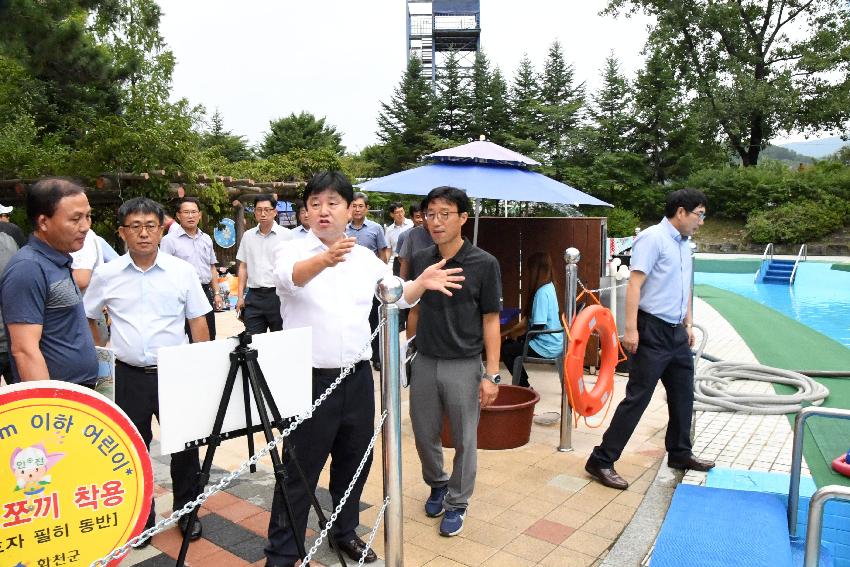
(190, 213)
(138, 228)
(700, 215)
(263, 210)
(442, 215)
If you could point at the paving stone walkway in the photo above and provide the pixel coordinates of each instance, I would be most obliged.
(532, 505)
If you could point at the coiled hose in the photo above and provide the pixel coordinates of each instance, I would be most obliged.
(713, 381)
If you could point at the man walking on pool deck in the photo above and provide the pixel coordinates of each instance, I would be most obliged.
(659, 336)
(447, 377)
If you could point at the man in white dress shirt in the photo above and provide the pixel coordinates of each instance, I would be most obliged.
(258, 303)
(150, 296)
(327, 282)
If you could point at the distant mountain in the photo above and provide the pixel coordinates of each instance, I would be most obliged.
(817, 148)
(785, 155)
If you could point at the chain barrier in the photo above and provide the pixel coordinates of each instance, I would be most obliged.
(374, 531)
(601, 289)
(347, 493)
(163, 525)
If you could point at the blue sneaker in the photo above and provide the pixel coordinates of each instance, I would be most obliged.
(452, 523)
(434, 504)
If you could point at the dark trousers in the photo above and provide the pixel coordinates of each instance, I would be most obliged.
(208, 290)
(663, 353)
(136, 394)
(511, 350)
(6, 368)
(262, 310)
(373, 324)
(341, 428)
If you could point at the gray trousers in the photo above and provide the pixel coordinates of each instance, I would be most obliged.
(447, 386)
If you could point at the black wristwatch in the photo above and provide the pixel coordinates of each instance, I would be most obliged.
(494, 378)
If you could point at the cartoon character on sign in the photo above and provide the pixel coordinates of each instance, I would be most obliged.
(30, 466)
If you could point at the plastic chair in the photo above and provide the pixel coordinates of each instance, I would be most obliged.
(558, 362)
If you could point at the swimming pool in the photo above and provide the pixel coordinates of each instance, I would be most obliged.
(820, 298)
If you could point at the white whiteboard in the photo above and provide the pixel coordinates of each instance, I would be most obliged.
(192, 377)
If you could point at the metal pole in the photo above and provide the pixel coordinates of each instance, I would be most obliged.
(612, 284)
(797, 457)
(389, 291)
(571, 257)
(815, 524)
(476, 205)
(693, 246)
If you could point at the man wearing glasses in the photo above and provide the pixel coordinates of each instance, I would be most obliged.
(150, 296)
(188, 242)
(659, 337)
(258, 304)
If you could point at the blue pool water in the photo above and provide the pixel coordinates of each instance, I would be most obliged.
(820, 297)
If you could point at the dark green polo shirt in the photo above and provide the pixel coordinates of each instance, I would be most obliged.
(451, 327)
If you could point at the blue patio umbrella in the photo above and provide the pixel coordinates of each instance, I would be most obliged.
(485, 171)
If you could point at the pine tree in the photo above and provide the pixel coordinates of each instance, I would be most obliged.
(226, 144)
(498, 117)
(526, 126)
(562, 102)
(451, 118)
(477, 98)
(612, 109)
(407, 124)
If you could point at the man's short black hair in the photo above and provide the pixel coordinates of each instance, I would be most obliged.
(45, 194)
(140, 205)
(266, 197)
(450, 194)
(394, 206)
(361, 195)
(334, 181)
(414, 208)
(687, 198)
(298, 204)
(188, 200)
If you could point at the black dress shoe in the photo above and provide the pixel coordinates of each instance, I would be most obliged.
(197, 529)
(692, 463)
(354, 549)
(606, 476)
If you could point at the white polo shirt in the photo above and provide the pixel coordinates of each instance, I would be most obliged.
(148, 308)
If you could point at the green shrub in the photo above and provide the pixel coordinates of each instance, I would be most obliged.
(796, 223)
(621, 222)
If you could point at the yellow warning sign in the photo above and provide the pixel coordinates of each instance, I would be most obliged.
(77, 478)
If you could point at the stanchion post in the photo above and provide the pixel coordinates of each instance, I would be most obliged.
(693, 246)
(571, 257)
(389, 291)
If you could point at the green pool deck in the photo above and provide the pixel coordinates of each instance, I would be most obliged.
(779, 341)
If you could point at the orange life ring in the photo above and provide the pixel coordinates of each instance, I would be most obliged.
(593, 318)
(840, 465)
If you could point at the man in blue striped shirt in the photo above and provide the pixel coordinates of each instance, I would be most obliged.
(659, 337)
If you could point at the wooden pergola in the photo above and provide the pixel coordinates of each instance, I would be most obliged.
(108, 190)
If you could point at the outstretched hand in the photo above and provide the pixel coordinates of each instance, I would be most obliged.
(337, 252)
(436, 278)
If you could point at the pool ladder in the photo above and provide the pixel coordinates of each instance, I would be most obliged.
(779, 271)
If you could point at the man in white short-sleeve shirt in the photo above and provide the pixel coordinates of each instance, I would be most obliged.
(150, 295)
(258, 304)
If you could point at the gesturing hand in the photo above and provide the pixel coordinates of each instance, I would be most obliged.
(436, 278)
(338, 250)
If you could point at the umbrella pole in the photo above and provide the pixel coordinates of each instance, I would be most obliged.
(476, 205)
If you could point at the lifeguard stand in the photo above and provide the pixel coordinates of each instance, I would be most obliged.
(436, 27)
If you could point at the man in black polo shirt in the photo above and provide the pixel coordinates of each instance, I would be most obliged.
(447, 375)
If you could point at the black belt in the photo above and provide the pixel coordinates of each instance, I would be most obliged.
(146, 369)
(652, 317)
(334, 372)
(262, 289)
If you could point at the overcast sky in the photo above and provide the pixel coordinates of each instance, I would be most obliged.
(258, 60)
